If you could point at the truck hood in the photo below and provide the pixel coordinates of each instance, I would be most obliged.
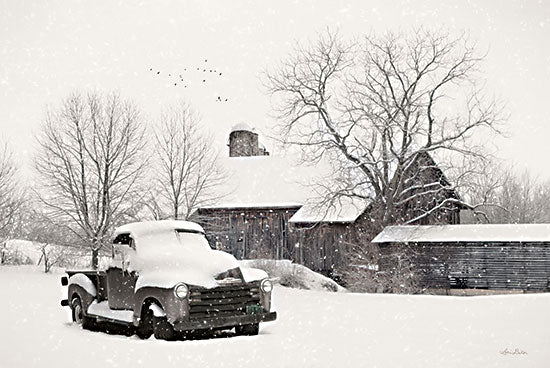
(199, 267)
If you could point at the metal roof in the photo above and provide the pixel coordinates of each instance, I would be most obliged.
(482, 233)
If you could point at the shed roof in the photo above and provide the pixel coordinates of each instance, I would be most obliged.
(482, 233)
(344, 211)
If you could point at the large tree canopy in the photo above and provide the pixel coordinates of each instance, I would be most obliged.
(374, 106)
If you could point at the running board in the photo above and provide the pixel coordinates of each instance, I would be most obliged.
(103, 312)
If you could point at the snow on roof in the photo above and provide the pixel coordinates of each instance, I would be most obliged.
(346, 210)
(278, 181)
(265, 181)
(240, 127)
(465, 233)
(140, 229)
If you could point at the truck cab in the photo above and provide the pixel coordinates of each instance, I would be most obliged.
(164, 279)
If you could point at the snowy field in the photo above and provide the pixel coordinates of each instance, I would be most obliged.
(314, 329)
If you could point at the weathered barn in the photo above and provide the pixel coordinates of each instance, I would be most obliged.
(494, 257)
(270, 209)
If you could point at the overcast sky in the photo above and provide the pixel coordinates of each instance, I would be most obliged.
(49, 49)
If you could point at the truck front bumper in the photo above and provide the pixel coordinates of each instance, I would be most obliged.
(224, 322)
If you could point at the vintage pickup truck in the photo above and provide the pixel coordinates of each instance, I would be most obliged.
(164, 279)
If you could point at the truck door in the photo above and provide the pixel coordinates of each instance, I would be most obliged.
(120, 281)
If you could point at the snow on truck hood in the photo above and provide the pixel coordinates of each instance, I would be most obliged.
(170, 252)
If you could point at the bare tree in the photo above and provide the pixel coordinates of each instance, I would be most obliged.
(11, 194)
(53, 240)
(516, 198)
(90, 161)
(188, 174)
(376, 108)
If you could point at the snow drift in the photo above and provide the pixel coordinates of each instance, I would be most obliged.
(289, 274)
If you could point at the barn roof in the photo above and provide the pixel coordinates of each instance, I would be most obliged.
(265, 181)
(483, 233)
(279, 182)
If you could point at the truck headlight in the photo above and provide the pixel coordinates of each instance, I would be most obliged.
(181, 291)
(266, 286)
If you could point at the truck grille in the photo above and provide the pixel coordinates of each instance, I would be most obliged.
(222, 301)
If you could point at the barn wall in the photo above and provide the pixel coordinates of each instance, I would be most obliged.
(247, 233)
(321, 247)
(520, 266)
(266, 233)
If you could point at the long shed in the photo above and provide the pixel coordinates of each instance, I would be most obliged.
(491, 256)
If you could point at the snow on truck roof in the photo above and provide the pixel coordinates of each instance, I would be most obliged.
(483, 233)
(137, 229)
(165, 257)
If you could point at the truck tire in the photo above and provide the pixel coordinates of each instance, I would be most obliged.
(248, 330)
(145, 328)
(163, 330)
(78, 316)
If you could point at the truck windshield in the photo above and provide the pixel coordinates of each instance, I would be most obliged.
(192, 239)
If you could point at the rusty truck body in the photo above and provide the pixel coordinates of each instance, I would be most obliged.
(164, 279)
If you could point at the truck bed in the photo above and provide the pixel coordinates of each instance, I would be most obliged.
(98, 277)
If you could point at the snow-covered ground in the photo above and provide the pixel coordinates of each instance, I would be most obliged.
(314, 329)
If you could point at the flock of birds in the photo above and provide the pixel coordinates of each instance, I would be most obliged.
(182, 80)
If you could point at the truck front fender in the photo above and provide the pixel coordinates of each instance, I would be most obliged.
(174, 309)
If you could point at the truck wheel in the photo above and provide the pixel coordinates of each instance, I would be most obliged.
(79, 318)
(248, 330)
(145, 328)
(76, 311)
(163, 330)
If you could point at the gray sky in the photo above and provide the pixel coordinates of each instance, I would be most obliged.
(49, 49)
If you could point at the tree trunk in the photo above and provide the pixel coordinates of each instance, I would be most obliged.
(95, 259)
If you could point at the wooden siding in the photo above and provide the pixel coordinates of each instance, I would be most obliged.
(266, 233)
(250, 232)
(496, 266)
